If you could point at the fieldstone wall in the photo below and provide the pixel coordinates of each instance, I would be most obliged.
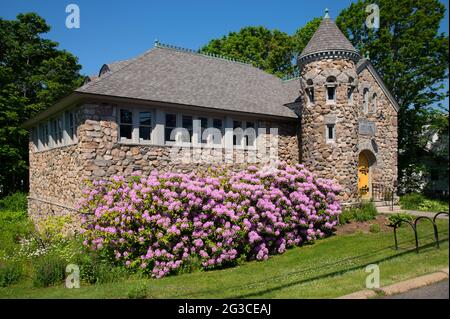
(57, 176)
(338, 160)
(383, 145)
(104, 156)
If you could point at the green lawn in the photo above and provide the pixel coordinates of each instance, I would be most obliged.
(330, 268)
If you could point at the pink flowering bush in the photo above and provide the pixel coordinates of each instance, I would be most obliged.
(167, 221)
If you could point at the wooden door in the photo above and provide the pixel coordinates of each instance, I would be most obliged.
(363, 176)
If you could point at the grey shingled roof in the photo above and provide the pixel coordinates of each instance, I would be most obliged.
(174, 76)
(328, 37)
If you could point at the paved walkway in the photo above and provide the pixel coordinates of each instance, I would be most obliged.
(435, 291)
(411, 212)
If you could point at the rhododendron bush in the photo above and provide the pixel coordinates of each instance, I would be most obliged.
(167, 221)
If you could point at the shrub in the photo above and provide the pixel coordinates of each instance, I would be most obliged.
(374, 228)
(162, 222)
(16, 202)
(10, 273)
(365, 212)
(14, 225)
(416, 201)
(394, 218)
(48, 270)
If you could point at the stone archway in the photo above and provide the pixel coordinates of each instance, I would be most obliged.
(366, 163)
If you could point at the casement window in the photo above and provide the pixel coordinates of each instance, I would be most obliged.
(237, 134)
(53, 133)
(331, 89)
(244, 133)
(217, 124)
(126, 124)
(135, 126)
(71, 132)
(145, 126)
(203, 127)
(250, 134)
(170, 124)
(60, 131)
(57, 132)
(186, 122)
(330, 133)
(366, 100)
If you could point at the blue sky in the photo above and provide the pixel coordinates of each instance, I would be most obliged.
(117, 30)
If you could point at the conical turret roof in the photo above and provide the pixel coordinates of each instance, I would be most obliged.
(328, 39)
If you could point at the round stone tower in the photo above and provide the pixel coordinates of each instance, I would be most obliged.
(329, 117)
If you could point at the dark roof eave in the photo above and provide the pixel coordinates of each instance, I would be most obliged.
(77, 97)
(60, 105)
(116, 99)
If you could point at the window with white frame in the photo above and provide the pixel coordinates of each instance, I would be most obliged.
(125, 125)
(237, 133)
(331, 89)
(330, 132)
(71, 132)
(203, 127)
(170, 124)
(217, 124)
(135, 125)
(186, 122)
(244, 133)
(145, 126)
(250, 134)
(59, 131)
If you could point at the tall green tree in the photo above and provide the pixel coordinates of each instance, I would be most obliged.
(33, 75)
(411, 56)
(270, 50)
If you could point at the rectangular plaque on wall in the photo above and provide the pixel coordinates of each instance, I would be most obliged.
(367, 127)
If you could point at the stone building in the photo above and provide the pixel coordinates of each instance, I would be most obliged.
(337, 117)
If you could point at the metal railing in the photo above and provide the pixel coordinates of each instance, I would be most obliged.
(383, 192)
(414, 224)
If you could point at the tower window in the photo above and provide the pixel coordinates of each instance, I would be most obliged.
(310, 91)
(350, 94)
(331, 89)
(331, 92)
(330, 133)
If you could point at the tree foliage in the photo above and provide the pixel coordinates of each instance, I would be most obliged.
(33, 75)
(303, 34)
(410, 55)
(271, 51)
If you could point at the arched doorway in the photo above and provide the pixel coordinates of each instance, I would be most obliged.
(365, 162)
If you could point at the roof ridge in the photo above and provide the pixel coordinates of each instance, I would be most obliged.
(107, 75)
(291, 76)
(203, 53)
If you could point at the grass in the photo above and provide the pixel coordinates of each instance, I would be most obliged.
(415, 201)
(330, 268)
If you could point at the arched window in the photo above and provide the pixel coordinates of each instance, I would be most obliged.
(331, 89)
(350, 90)
(374, 103)
(366, 100)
